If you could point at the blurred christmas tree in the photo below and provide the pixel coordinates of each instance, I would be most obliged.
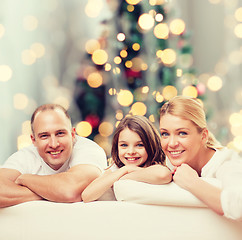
(143, 59)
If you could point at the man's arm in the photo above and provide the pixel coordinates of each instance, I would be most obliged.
(10, 192)
(61, 187)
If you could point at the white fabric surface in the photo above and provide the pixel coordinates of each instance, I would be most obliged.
(85, 151)
(168, 194)
(112, 220)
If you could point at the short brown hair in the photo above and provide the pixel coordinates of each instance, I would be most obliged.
(45, 107)
(149, 136)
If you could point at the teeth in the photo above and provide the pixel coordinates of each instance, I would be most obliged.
(131, 159)
(54, 153)
(175, 152)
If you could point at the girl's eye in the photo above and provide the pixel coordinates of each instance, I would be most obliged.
(164, 134)
(140, 145)
(123, 145)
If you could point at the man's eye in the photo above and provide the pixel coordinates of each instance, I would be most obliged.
(43, 136)
(61, 133)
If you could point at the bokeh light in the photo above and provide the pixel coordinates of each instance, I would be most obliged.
(93, 8)
(169, 92)
(238, 30)
(23, 141)
(38, 49)
(161, 31)
(214, 83)
(92, 45)
(138, 108)
(238, 14)
(125, 97)
(177, 26)
(133, 2)
(30, 23)
(28, 57)
(26, 128)
(190, 91)
(20, 101)
(146, 21)
(2, 30)
(5, 73)
(168, 57)
(99, 57)
(105, 129)
(95, 80)
(121, 37)
(83, 129)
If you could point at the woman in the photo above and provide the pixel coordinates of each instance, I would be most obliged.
(194, 152)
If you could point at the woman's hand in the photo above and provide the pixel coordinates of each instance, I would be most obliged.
(185, 176)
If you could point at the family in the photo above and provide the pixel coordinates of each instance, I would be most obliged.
(62, 167)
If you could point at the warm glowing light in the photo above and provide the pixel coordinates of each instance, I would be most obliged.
(137, 64)
(238, 14)
(214, 83)
(215, 1)
(125, 97)
(20, 101)
(123, 53)
(152, 118)
(105, 129)
(157, 2)
(107, 67)
(145, 89)
(23, 141)
(38, 49)
(119, 115)
(235, 119)
(88, 70)
(117, 60)
(130, 8)
(128, 64)
(179, 72)
(5, 73)
(159, 17)
(99, 57)
(2, 30)
(168, 57)
(93, 8)
(235, 57)
(161, 31)
(146, 21)
(95, 80)
(138, 108)
(177, 26)
(136, 47)
(83, 129)
(158, 97)
(238, 30)
(63, 101)
(26, 128)
(133, 2)
(169, 92)
(190, 91)
(112, 91)
(116, 71)
(30, 23)
(121, 37)
(92, 45)
(28, 57)
(238, 142)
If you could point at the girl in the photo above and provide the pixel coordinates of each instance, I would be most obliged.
(194, 152)
(136, 154)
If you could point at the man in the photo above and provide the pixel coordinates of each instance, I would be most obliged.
(57, 167)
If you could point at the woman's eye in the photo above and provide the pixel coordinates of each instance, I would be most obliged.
(182, 133)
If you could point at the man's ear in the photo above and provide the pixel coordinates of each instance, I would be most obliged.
(73, 133)
(32, 138)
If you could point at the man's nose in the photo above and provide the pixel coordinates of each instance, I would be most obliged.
(54, 142)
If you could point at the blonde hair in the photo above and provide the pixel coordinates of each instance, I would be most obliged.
(190, 109)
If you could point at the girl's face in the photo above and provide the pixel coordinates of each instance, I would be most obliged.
(180, 140)
(131, 149)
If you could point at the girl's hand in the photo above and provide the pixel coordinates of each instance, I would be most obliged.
(185, 176)
(131, 168)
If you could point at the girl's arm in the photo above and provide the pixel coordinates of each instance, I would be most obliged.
(101, 184)
(187, 178)
(154, 174)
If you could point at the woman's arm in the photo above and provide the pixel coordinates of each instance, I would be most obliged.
(155, 174)
(187, 178)
(101, 184)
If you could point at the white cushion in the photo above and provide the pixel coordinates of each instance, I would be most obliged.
(168, 194)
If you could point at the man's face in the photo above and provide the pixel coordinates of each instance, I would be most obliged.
(53, 137)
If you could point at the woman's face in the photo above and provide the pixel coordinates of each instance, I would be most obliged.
(131, 149)
(180, 140)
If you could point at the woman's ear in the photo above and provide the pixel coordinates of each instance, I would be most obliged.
(204, 135)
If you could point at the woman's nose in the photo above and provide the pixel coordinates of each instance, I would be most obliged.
(173, 142)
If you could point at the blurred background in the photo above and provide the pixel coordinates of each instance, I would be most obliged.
(103, 59)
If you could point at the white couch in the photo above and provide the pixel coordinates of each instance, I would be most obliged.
(132, 217)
